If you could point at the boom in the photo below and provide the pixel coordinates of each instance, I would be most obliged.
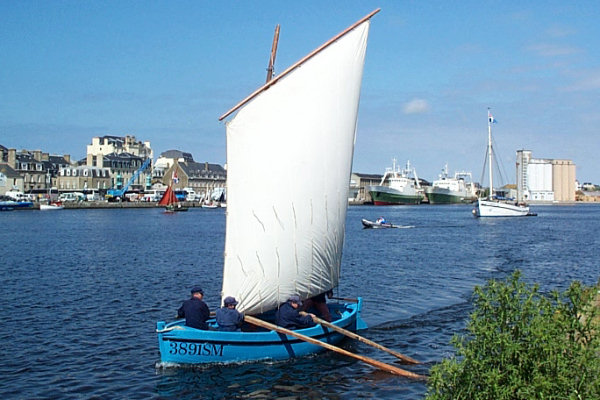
(118, 193)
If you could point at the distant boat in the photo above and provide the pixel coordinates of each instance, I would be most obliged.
(287, 238)
(367, 224)
(456, 190)
(398, 186)
(9, 203)
(169, 199)
(492, 206)
(55, 205)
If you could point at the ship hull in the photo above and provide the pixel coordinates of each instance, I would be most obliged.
(441, 196)
(386, 196)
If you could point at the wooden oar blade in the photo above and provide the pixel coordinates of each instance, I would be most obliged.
(362, 339)
(383, 366)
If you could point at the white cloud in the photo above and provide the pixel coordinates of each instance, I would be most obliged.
(553, 50)
(588, 81)
(416, 106)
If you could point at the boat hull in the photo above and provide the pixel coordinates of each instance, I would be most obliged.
(49, 207)
(374, 225)
(385, 196)
(179, 344)
(10, 205)
(487, 208)
(444, 196)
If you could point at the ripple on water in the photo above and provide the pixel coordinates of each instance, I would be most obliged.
(81, 308)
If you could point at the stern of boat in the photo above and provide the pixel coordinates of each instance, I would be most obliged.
(360, 323)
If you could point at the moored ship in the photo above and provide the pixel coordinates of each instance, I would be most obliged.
(456, 190)
(397, 187)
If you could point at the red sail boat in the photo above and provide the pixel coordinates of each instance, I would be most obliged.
(169, 200)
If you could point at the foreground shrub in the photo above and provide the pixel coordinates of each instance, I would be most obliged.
(521, 344)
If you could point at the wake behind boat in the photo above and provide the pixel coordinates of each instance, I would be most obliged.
(493, 206)
(288, 238)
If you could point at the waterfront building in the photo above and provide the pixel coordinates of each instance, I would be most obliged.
(83, 179)
(9, 179)
(203, 178)
(38, 170)
(358, 183)
(123, 156)
(544, 180)
(105, 145)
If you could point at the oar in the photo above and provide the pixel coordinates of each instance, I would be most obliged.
(363, 339)
(345, 299)
(383, 366)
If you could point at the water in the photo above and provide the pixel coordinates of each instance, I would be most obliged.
(83, 289)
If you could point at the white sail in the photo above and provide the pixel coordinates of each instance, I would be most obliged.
(289, 160)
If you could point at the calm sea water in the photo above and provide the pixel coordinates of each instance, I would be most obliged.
(83, 289)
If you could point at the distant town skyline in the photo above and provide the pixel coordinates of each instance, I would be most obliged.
(164, 72)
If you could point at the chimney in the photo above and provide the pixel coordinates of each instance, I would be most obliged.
(37, 155)
(67, 158)
(206, 166)
(45, 157)
(12, 158)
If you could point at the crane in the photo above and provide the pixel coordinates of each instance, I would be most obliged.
(117, 194)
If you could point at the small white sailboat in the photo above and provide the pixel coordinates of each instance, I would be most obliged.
(493, 207)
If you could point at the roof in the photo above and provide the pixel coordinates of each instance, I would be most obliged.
(368, 176)
(177, 154)
(195, 169)
(121, 157)
(8, 171)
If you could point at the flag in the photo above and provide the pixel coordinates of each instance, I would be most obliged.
(491, 118)
(175, 179)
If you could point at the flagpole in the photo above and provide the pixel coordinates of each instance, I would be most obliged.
(490, 197)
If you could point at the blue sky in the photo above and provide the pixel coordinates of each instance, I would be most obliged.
(164, 71)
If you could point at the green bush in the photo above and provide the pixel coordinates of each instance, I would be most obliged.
(521, 344)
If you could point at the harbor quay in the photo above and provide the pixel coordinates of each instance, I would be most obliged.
(88, 205)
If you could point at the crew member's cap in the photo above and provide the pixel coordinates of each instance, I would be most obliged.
(197, 289)
(295, 299)
(230, 301)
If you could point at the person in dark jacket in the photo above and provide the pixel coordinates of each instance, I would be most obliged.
(228, 318)
(195, 311)
(288, 316)
(319, 303)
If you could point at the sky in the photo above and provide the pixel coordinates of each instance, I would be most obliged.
(165, 71)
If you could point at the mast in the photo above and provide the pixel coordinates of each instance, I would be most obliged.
(273, 54)
(490, 119)
(298, 64)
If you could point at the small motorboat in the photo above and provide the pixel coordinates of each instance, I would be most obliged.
(374, 224)
(55, 205)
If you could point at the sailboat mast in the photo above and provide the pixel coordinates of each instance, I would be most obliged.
(490, 195)
(273, 54)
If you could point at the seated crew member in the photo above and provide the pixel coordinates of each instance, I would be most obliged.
(319, 303)
(228, 318)
(288, 316)
(194, 310)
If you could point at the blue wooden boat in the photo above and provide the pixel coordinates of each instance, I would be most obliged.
(180, 344)
(285, 238)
